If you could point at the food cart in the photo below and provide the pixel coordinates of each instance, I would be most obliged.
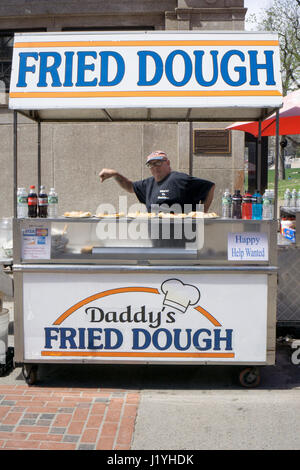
(138, 289)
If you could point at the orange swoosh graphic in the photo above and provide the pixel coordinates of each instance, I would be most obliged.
(149, 93)
(121, 290)
(132, 354)
(106, 293)
(126, 43)
(208, 315)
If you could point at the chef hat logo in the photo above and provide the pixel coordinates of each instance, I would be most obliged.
(179, 295)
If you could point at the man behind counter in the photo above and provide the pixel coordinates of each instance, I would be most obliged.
(165, 187)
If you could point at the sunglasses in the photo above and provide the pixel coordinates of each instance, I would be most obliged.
(155, 163)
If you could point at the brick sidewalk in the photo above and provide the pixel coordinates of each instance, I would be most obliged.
(66, 418)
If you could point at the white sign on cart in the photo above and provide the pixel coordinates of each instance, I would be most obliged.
(146, 318)
(155, 69)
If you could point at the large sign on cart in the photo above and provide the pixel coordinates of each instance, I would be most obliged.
(149, 69)
(146, 318)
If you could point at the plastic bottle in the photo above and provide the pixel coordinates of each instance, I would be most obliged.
(272, 201)
(237, 205)
(267, 212)
(22, 203)
(52, 204)
(298, 200)
(247, 206)
(287, 198)
(257, 206)
(32, 202)
(226, 204)
(43, 203)
(294, 198)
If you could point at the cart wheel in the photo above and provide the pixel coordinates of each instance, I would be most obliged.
(30, 373)
(250, 377)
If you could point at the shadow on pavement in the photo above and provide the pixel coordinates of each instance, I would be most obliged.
(282, 375)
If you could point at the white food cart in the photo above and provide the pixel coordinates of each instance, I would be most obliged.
(209, 298)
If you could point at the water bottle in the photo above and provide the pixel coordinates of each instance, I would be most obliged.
(294, 198)
(257, 206)
(287, 198)
(272, 200)
(298, 200)
(237, 205)
(226, 205)
(22, 203)
(52, 203)
(267, 212)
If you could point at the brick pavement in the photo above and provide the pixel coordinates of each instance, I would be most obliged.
(43, 418)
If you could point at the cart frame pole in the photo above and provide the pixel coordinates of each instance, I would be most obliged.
(15, 151)
(39, 155)
(276, 166)
(258, 166)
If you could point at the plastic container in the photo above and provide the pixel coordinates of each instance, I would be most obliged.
(257, 206)
(237, 205)
(247, 206)
(4, 322)
(267, 213)
(52, 203)
(42, 203)
(5, 235)
(287, 198)
(226, 205)
(22, 203)
(294, 199)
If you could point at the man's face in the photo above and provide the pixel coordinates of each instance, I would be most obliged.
(159, 168)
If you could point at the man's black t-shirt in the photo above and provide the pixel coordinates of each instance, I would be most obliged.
(174, 191)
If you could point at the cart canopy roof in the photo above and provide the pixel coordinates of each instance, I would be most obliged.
(145, 76)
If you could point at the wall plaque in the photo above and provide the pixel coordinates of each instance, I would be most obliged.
(212, 142)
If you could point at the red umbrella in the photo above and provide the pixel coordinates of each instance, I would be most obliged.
(289, 119)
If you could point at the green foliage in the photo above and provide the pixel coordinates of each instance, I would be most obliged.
(283, 18)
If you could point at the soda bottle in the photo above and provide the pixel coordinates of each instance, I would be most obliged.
(257, 206)
(43, 203)
(32, 202)
(247, 206)
(267, 206)
(53, 203)
(22, 203)
(226, 205)
(294, 198)
(237, 205)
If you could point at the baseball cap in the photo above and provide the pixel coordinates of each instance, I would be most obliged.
(156, 155)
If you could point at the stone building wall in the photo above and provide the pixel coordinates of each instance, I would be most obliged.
(73, 154)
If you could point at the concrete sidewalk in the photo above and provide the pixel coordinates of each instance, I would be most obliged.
(150, 407)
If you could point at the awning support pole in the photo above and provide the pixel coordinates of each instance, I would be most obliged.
(276, 166)
(15, 147)
(39, 155)
(258, 164)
